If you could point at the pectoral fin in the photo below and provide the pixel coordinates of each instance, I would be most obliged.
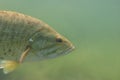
(8, 66)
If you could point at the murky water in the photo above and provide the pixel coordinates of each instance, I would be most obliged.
(92, 25)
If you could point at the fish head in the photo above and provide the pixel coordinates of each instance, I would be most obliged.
(47, 43)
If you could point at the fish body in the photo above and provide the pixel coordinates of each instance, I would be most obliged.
(24, 38)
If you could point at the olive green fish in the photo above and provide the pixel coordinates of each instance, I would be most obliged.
(24, 38)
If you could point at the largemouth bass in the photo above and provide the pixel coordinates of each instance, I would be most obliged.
(24, 38)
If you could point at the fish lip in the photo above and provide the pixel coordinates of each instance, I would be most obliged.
(69, 49)
(72, 48)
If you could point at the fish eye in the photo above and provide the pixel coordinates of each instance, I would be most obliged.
(59, 40)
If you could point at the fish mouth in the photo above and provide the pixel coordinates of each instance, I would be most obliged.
(62, 53)
(53, 53)
(68, 50)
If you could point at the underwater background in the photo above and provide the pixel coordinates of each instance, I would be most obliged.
(93, 26)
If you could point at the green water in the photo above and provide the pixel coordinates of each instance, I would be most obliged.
(92, 25)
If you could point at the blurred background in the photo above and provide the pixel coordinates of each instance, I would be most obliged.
(93, 26)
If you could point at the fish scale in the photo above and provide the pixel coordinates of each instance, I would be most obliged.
(13, 36)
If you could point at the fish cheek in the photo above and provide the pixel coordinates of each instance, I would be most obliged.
(34, 46)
